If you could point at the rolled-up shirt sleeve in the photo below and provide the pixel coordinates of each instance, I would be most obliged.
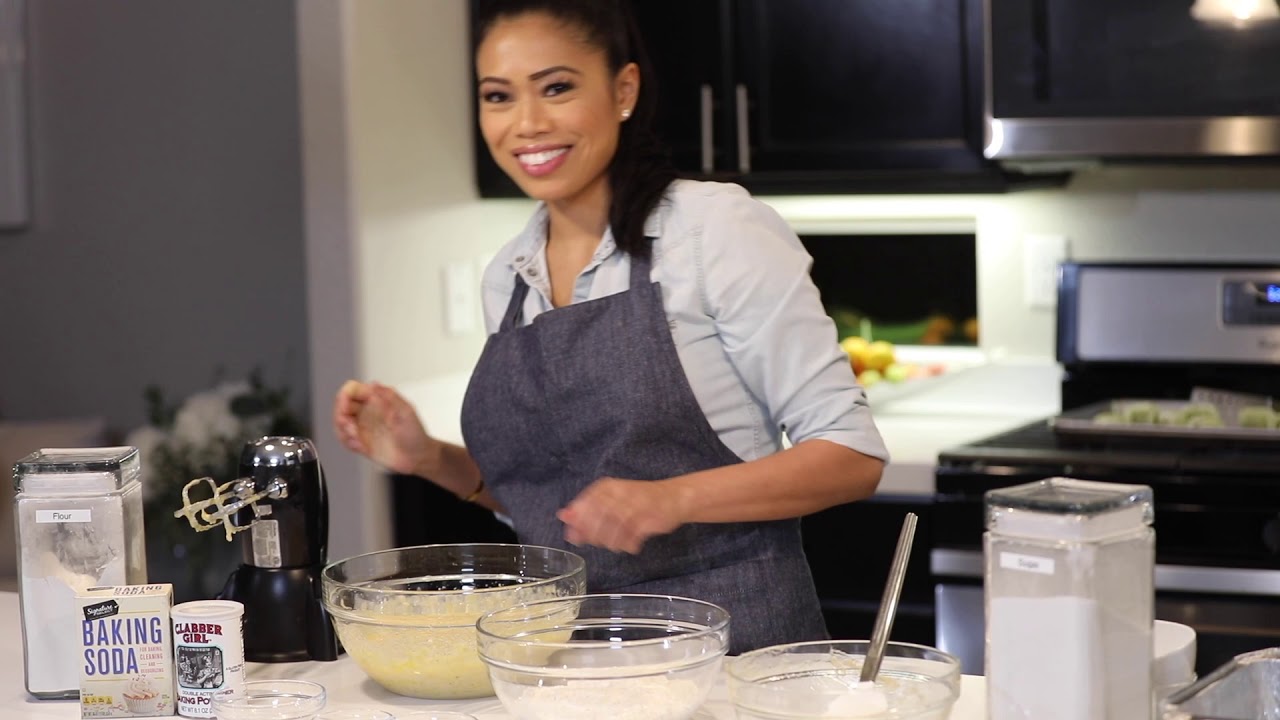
(756, 284)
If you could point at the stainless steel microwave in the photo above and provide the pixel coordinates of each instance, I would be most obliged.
(1157, 79)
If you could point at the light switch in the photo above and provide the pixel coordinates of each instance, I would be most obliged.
(1041, 255)
(461, 298)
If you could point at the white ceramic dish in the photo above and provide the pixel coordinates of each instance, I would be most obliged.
(1174, 657)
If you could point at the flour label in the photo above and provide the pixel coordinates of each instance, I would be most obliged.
(64, 516)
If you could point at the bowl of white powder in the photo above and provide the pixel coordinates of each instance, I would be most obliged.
(605, 657)
(408, 616)
(820, 680)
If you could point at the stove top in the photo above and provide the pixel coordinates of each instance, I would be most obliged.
(1038, 444)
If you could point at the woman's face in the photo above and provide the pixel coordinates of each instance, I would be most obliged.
(550, 109)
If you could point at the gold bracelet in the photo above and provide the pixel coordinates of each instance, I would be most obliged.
(476, 494)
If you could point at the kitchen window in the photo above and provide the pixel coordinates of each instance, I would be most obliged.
(905, 289)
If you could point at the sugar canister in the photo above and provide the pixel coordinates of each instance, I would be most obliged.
(1069, 601)
(79, 523)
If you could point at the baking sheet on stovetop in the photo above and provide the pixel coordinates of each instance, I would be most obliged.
(1081, 421)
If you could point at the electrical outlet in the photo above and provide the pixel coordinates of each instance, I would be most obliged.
(461, 298)
(1041, 255)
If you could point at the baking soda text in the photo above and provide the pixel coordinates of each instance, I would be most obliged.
(126, 665)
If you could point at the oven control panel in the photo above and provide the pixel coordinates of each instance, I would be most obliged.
(1251, 302)
(1169, 313)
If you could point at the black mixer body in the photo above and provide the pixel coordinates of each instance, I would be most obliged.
(283, 553)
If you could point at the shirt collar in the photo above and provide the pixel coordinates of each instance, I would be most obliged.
(532, 240)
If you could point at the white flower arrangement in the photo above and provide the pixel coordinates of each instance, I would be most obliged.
(204, 437)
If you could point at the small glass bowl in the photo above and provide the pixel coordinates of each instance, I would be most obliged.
(820, 679)
(434, 715)
(272, 700)
(355, 715)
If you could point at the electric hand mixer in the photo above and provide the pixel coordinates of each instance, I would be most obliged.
(280, 499)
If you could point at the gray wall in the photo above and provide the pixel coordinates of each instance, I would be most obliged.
(166, 242)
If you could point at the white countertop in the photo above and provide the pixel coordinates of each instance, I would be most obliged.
(917, 421)
(346, 685)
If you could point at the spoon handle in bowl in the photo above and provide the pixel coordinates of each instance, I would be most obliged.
(889, 603)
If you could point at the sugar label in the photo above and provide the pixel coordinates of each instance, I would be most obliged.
(1026, 563)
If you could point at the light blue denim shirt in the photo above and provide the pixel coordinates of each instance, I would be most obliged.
(759, 350)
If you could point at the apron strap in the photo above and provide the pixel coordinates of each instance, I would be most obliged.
(515, 308)
(640, 268)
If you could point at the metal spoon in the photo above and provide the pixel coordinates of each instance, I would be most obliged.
(889, 603)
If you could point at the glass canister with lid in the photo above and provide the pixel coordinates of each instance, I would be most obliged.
(1069, 594)
(78, 513)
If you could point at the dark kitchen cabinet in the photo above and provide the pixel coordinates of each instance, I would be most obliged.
(691, 58)
(820, 96)
(831, 85)
(426, 514)
(850, 548)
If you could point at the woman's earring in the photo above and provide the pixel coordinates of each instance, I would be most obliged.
(626, 114)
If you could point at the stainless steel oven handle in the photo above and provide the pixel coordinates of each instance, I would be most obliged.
(744, 131)
(1169, 578)
(956, 563)
(1234, 581)
(708, 130)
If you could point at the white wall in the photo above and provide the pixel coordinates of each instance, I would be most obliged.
(411, 115)
(391, 200)
(165, 242)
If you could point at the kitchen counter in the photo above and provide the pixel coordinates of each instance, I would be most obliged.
(347, 687)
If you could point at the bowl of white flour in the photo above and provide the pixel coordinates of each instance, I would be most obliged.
(408, 615)
(821, 680)
(612, 657)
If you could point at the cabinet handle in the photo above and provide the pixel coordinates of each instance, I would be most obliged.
(708, 137)
(744, 132)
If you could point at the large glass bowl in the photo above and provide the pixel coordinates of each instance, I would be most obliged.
(820, 680)
(408, 615)
(602, 657)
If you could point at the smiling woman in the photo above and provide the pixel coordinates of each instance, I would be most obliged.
(651, 340)
(562, 88)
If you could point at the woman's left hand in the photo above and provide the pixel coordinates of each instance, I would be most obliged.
(620, 515)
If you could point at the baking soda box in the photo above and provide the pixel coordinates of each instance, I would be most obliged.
(126, 651)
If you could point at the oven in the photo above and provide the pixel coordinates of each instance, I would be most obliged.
(1216, 493)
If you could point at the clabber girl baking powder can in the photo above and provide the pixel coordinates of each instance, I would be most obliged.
(208, 649)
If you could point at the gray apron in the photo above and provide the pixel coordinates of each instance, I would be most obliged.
(596, 389)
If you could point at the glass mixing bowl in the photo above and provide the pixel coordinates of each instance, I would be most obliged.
(820, 680)
(408, 616)
(640, 657)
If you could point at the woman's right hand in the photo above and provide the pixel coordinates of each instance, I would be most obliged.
(377, 422)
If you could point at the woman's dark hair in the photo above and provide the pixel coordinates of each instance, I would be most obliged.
(641, 168)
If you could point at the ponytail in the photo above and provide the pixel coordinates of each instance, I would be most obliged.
(641, 169)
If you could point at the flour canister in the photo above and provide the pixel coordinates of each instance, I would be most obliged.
(208, 650)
